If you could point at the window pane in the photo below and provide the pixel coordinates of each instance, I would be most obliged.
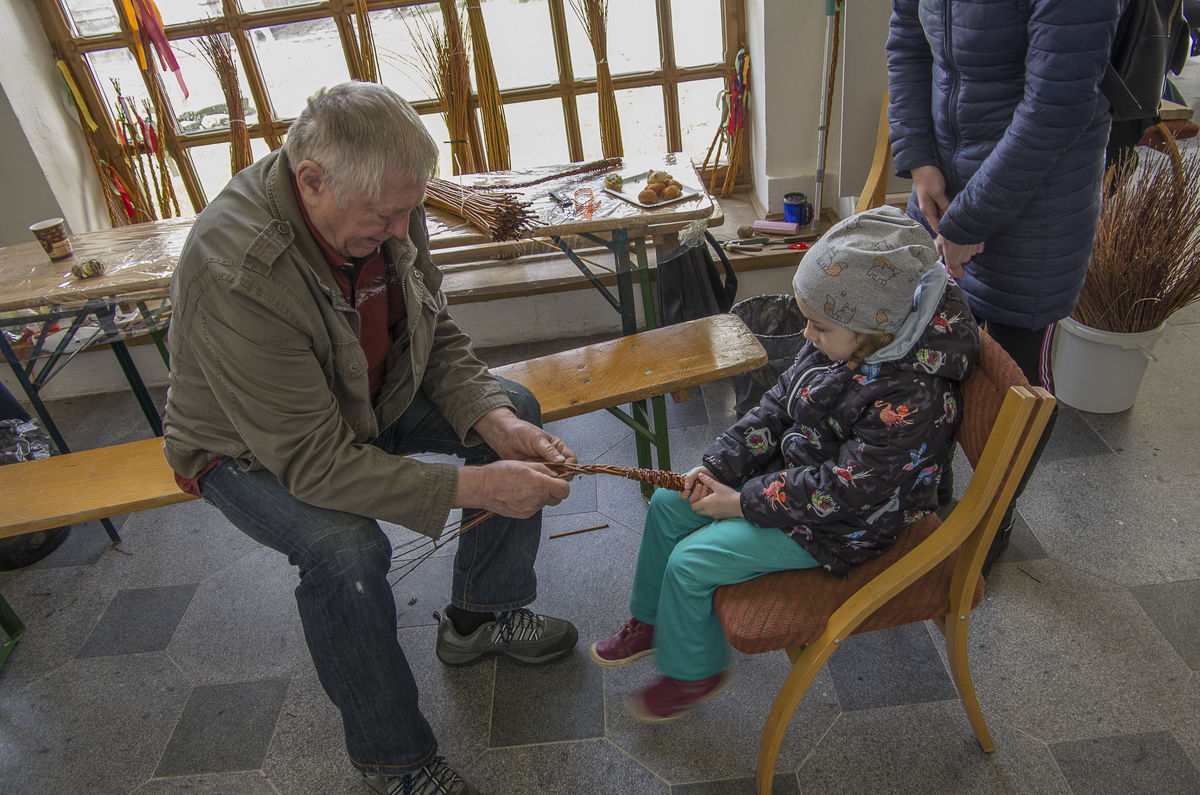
(271, 5)
(119, 65)
(400, 67)
(174, 12)
(536, 134)
(296, 60)
(643, 129)
(699, 115)
(633, 37)
(437, 128)
(521, 42)
(204, 108)
(91, 17)
(583, 62)
(698, 32)
(212, 164)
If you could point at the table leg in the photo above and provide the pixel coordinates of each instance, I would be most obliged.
(12, 627)
(105, 314)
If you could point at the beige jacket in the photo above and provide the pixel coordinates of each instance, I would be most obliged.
(266, 367)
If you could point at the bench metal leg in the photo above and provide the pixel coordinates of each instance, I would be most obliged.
(12, 627)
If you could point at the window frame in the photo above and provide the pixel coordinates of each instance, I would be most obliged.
(73, 49)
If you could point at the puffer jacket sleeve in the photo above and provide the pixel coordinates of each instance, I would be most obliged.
(910, 90)
(1069, 43)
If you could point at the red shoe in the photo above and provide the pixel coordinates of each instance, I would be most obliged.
(669, 698)
(634, 641)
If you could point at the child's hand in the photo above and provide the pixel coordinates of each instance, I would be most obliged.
(693, 488)
(722, 502)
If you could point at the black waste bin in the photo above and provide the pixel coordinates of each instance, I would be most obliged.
(24, 439)
(778, 324)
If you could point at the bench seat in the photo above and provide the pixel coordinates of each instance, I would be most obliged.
(106, 481)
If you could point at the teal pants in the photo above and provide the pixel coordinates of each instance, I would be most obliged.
(683, 558)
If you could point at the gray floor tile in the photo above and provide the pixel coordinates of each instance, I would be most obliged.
(250, 783)
(94, 725)
(84, 545)
(139, 620)
(582, 766)
(1185, 726)
(224, 728)
(782, 784)
(1072, 437)
(558, 701)
(926, 748)
(1151, 762)
(889, 667)
(1064, 655)
(1174, 607)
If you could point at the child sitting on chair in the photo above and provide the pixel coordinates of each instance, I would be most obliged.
(841, 455)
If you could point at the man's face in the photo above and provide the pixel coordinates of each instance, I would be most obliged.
(361, 227)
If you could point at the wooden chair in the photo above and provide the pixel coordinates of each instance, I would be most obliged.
(874, 190)
(932, 572)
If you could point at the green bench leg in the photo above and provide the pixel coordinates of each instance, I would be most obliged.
(12, 627)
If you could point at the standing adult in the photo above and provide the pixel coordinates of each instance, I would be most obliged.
(997, 116)
(311, 353)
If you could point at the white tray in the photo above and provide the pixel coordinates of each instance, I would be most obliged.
(634, 184)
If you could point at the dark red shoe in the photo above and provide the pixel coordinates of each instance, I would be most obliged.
(633, 642)
(669, 698)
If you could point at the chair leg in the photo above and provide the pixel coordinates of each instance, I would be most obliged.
(960, 667)
(12, 627)
(806, 664)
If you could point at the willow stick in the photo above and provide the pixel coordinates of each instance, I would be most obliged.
(495, 127)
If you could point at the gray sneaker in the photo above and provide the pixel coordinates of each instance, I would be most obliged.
(435, 778)
(520, 634)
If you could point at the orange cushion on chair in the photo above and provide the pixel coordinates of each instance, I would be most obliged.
(791, 608)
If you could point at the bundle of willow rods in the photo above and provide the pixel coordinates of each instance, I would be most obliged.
(367, 58)
(503, 216)
(442, 60)
(495, 127)
(1146, 262)
(594, 16)
(408, 556)
(217, 50)
(582, 168)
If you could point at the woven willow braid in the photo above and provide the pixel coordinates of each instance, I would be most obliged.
(655, 477)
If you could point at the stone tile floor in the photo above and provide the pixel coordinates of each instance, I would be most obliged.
(176, 662)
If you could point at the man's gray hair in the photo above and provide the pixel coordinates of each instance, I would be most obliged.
(359, 133)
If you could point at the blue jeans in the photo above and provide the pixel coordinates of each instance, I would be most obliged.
(684, 558)
(344, 598)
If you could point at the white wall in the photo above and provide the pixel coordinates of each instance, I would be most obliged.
(39, 100)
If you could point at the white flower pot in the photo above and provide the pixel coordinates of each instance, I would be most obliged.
(1100, 371)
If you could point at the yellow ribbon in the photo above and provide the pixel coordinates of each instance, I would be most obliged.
(131, 16)
(74, 89)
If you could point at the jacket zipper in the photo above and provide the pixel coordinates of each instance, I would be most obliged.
(952, 96)
(804, 378)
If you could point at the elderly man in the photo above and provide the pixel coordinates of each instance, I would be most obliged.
(312, 351)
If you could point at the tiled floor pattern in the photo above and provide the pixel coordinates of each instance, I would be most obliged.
(176, 663)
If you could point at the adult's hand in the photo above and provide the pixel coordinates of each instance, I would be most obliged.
(930, 186)
(723, 502)
(510, 488)
(956, 255)
(515, 439)
(693, 488)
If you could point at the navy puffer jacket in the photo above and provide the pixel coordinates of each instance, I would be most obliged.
(1003, 96)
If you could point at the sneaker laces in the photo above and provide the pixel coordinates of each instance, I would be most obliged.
(517, 625)
(435, 778)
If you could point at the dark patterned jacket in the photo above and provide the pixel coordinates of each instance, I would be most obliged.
(844, 460)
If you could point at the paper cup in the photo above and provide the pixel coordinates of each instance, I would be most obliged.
(52, 234)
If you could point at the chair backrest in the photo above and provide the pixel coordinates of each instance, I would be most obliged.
(934, 567)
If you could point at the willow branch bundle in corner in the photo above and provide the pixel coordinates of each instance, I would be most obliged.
(217, 50)
(495, 127)
(594, 16)
(1146, 262)
(442, 64)
(501, 215)
(367, 58)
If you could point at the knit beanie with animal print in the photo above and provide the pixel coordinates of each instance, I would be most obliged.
(863, 273)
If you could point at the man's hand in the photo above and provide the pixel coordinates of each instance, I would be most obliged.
(956, 255)
(722, 502)
(930, 186)
(510, 488)
(517, 440)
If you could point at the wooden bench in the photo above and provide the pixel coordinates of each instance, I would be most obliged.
(93, 484)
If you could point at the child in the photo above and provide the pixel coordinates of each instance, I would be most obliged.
(841, 455)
